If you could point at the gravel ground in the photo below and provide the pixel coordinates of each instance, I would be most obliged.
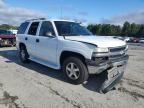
(35, 86)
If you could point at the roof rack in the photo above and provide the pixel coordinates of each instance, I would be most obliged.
(36, 19)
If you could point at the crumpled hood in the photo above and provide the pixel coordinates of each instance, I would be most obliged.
(100, 41)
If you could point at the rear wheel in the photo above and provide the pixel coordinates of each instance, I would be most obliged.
(23, 54)
(75, 70)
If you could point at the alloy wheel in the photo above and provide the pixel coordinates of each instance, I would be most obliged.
(73, 71)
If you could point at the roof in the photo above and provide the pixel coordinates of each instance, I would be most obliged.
(46, 19)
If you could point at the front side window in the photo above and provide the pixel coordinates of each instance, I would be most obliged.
(71, 29)
(46, 27)
(33, 28)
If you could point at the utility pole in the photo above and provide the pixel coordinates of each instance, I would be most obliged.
(61, 12)
(61, 9)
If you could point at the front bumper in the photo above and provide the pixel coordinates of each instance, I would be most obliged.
(95, 68)
(7, 41)
(112, 71)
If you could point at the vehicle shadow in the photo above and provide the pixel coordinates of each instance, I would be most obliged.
(12, 56)
(94, 82)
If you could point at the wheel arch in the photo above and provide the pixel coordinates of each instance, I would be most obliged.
(66, 54)
(21, 44)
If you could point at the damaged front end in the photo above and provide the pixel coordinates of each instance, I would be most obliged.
(111, 64)
(7, 41)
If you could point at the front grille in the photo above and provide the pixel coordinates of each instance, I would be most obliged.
(117, 53)
(118, 49)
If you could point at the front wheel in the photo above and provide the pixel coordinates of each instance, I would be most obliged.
(75, 70)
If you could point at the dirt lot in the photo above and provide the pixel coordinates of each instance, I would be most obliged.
(36, 86)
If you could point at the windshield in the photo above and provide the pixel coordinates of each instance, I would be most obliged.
(65, 28)
(5, 32)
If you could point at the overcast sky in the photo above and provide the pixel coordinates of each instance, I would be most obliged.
(89, 11)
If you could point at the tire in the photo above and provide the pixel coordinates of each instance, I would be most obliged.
(79, 70)
(23, 55)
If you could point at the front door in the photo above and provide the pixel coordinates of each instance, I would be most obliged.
(46, 46)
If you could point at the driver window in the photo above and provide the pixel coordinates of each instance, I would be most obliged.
(45, 28)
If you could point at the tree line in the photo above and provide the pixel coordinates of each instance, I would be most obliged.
(7, 27)
(128, 29)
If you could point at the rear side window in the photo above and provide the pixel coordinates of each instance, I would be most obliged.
(33, 28)
(46, 27)
(23, 28)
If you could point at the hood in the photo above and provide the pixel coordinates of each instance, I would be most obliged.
(100, 41)
(7, 36)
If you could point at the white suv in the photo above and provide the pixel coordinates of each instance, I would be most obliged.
(66, 45)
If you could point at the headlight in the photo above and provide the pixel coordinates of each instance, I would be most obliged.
(101, 50)
(0, 39)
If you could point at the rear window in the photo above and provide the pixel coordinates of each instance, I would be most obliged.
(23, 28)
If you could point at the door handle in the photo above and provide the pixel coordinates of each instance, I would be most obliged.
(26, 38)
(37, 40)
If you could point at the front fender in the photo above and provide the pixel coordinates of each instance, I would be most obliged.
(81, 48)
(84, 49)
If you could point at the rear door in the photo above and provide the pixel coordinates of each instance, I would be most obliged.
(30, 39)
(47, 45)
